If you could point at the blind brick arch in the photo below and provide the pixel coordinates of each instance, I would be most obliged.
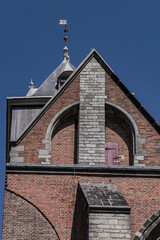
(30, 222)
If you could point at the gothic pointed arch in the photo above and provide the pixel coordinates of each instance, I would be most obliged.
(137, 142)
(150, 230)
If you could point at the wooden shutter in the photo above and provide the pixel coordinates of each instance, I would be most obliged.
(111, 153)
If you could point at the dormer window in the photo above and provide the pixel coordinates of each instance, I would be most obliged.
(62, 78)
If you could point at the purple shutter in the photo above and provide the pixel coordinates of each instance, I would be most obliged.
(111, 153)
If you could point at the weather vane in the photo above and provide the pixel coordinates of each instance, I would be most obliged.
(64, 22)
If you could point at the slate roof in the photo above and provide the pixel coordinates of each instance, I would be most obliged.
(48, 87)
(104, 197)
(31, 92)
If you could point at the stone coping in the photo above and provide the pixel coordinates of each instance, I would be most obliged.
(115, 209)
(104, 198)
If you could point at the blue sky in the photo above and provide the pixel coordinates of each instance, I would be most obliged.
(126, 33)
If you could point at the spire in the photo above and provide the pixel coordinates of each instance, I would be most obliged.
(31, 85)
(65, 49)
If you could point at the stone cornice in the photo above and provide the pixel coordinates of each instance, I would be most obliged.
(68, 169)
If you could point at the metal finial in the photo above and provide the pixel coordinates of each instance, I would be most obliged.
(64, 22)
(65, 50)
(31, 85)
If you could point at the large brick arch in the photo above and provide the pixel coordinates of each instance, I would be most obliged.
(137, 143)
(150, 230)
(23, 220)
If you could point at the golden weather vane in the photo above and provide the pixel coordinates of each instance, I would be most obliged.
(64, 22)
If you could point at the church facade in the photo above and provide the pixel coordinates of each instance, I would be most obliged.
(83, 159)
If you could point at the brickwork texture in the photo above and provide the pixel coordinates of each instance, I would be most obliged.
(92, 122)
(54, 196)
(39, 204)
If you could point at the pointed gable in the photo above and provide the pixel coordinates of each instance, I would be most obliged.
(116, 97)
(112, 76)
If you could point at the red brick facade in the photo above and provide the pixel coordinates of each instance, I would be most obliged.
(64, 142)
(48, 199)
(142, 194)
(147, 132)
(22, 219)
(33, 141)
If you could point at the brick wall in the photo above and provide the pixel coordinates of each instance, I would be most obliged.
(34, 140)
(23, 221)
(147, 132)
(104, 226)
(64, 142)
(54, 196)
(91, 139)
